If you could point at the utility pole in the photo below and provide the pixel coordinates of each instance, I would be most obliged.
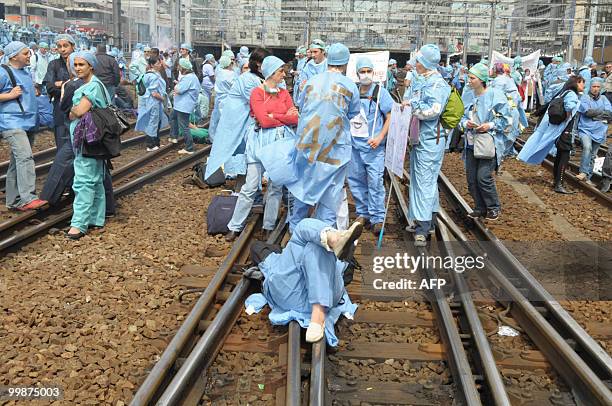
(188, 22)
(153, 21)
(570, 48)
(117, 23)
(592, 27)
(465, 37)
(492, 31)
(23, 10)
(308, 26)
(176, 21)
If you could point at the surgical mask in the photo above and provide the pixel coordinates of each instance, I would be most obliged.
(366, 78)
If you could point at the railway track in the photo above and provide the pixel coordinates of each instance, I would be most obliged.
(24, 226)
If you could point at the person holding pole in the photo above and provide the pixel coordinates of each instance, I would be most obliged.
(368, 132)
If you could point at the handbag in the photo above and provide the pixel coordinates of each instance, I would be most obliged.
(484, 146)
(118, 115)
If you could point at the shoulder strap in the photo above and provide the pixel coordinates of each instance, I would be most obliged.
(104, 93)
(11, 76)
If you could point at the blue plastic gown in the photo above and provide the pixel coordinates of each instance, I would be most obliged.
(328, 102)
(45, 111)
(366, 169)
(585, 72)
(550, 69)
(89, 199)
(595, 129)
(556, 81)
(542, 140)
(310, 70)
(151, 115)
(428, 96)
(508, 87)
(231, 130)
(491, 107)
(305, 273)
(223, 84)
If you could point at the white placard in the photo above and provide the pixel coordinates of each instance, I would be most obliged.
(380, 59)
(527, 62)
(397, 139)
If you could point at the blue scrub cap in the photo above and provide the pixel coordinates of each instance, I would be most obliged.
(13, 48)
(208, 57)
(270, 65)
(185, 63)
(65, 37)
(32, 44)
(589, 61)
(364, 62)
(244, 50)
(186, 46)
(43, 44)
(392, 61)
(429, 56)
(338, 54)
(317, 43)
(89, 57)
(557, 59)
(228, 53)
(225, 61)
(71, 63)
(518, 60)
(597, 79)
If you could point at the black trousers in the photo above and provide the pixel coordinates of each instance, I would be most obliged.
(561, 161)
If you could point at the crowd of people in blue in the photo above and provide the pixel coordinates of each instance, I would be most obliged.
(315, 146)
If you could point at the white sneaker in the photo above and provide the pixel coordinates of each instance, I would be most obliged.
(314, 333)
(173, 140)
(346, 239)
(152, 149)
(420, 241)
(185, 152)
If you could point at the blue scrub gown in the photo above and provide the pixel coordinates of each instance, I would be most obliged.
(228, 148)
(366, 169)
(151, 114)
(544, 137)
(89, 200)
(310, 70)
(223, 84)
(428, 96)
(303, 274)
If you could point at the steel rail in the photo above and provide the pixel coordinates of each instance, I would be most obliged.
(45, 166)
(493, 379)
(603, 198)
(318, 392)
(116, 175)
(293, 388)
(122, 190)
(202, 356)
(577, 374)
(456, 354)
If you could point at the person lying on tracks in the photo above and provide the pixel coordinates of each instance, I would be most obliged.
(275, 115)
(487, 115)
(89, 198)
(18, 114)
(304, 282)
(151, 107)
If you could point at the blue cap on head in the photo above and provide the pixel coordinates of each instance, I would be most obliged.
(392, 62)
(244, 51)
(589, 61)
(338, 54)
(43, 45)
(228, 53)
(597, 79)
(557, 59)
(208, 57)
(270, 65)
(429, 56)
(89, 56)
(65, 37)
(518, 60)
(186, 46)
(224, 61)
(13, 48)
(32, 44)
(364, 62)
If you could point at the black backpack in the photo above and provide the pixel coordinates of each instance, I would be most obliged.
(140, 86)
(13, 84)
(215, 180)
(219, 214)
(556, 110)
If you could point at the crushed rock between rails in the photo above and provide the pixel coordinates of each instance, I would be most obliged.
(44, 140)
(93, 316)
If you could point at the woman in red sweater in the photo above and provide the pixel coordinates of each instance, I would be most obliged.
(273, 116)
